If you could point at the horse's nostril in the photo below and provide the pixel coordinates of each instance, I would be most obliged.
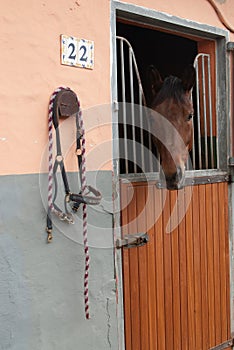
(177, 176)
(172, 181)
(179, 173)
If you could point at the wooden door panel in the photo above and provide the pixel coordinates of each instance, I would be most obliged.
(176, 288)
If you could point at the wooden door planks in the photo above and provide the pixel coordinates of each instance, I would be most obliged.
(176, 288)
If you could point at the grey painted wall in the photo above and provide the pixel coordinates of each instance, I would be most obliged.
(41, 285)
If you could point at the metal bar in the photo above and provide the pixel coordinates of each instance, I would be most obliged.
(132, 109)
(193, 143)
(124, 106)
(132, 65)
(192, 178)
(142, 102)
(141, 131)
(204, 109)
(193, 150)
(150, 149)
(217, 142)
(198, 112)
(217, 145)
(204, 101)
(138, 77)
(198, 181)
(211, 116)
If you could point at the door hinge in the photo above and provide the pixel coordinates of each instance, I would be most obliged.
(227, 344)
(230, 46)
(133, 240)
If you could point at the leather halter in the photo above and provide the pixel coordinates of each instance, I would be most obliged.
(66, 104)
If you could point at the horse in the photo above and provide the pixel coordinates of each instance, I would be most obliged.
(171, 125)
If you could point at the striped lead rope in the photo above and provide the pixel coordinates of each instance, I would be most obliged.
(51, 207)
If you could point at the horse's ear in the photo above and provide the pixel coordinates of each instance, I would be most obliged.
(154, 81)
(189, 78)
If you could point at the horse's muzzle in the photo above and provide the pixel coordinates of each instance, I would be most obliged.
(174, 181)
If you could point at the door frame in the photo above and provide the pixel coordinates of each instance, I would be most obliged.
(153, 18)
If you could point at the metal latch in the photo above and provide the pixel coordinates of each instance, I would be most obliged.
(225, 345)
(230, 46)
(131, 241)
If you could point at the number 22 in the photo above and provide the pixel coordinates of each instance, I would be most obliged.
(72, 54)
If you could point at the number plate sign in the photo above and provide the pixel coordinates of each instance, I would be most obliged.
(77, 52)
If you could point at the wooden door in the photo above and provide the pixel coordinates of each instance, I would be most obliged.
(176, 287)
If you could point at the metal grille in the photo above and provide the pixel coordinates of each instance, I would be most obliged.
(136, 151)
(205, 153)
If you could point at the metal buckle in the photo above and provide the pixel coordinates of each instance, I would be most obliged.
(131, 241)
(86, 198)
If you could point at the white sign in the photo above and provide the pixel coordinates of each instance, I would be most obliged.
(77, 52)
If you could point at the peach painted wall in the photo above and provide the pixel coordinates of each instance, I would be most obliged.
(30, 71)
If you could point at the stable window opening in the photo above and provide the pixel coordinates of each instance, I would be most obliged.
(137, 48)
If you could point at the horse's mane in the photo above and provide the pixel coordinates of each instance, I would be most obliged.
(172, 88)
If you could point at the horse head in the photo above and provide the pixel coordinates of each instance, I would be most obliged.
(171, 122)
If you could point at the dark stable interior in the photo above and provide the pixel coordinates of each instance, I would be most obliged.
(169, 53)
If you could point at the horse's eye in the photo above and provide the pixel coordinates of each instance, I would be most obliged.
(190, 116)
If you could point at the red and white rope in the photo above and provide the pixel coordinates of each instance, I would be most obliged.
(85, 223)
(83, 189)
